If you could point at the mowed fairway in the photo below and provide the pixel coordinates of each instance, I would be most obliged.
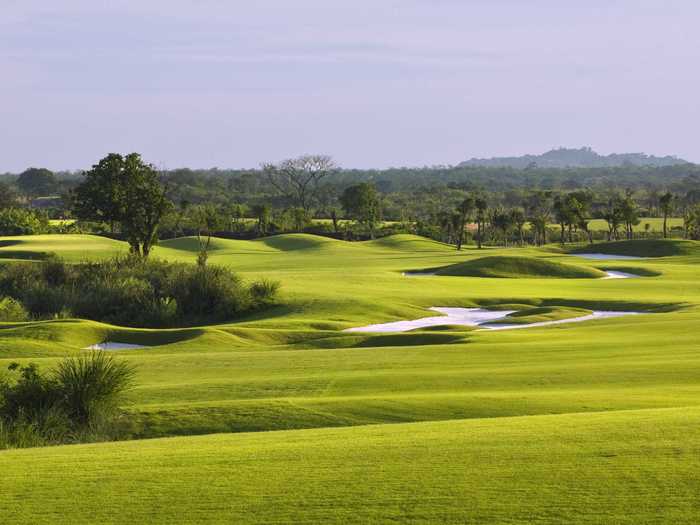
(593, 422)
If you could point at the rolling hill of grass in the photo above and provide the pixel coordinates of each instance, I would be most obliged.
(624, 467)
(591, 422)
(518, 267)
(644, 248)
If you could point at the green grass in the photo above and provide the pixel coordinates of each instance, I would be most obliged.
(593, 422)
(518, 267)
(644, 248)
(542, 314)
(627, 467)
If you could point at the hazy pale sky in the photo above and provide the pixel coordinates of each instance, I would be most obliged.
(375, 83)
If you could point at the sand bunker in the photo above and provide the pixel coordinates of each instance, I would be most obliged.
(614, 274)
(606, 256)
(475, 317)
(107, 345)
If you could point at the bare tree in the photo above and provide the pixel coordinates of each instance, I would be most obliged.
(298, 179)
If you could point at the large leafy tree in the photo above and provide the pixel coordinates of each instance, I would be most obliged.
(126, 191)
(363, 204)
(37, 182)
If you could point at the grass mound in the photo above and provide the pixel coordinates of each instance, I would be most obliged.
(543, 314)
(634, 270)
(408, 242)
(296, 241)
(70, 247)
(644, 248)
(518, 267)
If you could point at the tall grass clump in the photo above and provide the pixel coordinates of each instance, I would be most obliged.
(77, 401)
(130, 291)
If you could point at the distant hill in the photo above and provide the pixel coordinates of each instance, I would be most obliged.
(575, 158)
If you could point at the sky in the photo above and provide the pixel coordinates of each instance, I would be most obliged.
(374, 83)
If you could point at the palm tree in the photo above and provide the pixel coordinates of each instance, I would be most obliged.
(465, 211)
(517, 219)
(666, 201)
(481, 208)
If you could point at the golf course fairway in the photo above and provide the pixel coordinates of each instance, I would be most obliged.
(286, 417)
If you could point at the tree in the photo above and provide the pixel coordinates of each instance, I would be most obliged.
(21, 221)
(502, 221)
(263, 214)
(667, 204)
(298, 179)
(37, 182)
(612, 214)
(207, 219)
(562, 214)
(7, 196)
(465, 211)
(518, 220)
(539, 206)
(629, 211)
(481, 207)
(362, 203)
(124, 190)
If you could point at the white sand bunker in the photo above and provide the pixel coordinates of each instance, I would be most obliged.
(475, 317)
(614, 274)
(607, 257)
(108, 345)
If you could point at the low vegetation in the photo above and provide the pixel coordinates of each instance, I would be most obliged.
(129, 291)
(76, 401)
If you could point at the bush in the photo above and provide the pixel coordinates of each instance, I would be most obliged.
(20, 221)
(90, 386)
(132, 291)
(264, 291)
(12, 310)
(77, 401)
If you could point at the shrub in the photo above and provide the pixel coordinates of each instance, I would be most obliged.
(132, 291)
(12, 310)
(77, 401)
(264, 291)
(20, 221)
(90, 386)
(212, 293)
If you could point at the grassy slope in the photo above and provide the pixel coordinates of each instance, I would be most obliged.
(645, 248)
(293, 368)
(542, 314)
(625, 467)
(518, 267)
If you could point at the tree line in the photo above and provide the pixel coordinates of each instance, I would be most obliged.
(126, 197)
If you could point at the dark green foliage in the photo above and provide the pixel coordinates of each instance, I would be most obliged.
(126, 191)
(131, 291)
(362, 203)
(37, 182)
(77, 401)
